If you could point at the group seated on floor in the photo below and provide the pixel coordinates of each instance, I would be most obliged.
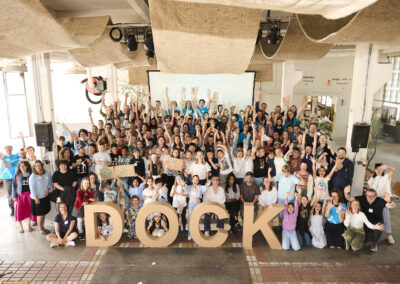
(196, 152)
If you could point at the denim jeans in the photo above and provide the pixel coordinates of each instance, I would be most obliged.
(304, 240)
(192, 205)
(258, 180)
(289, 239)
(8, 188)
(207, 222)
(386, 220)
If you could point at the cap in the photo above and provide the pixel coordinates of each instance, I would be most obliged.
(250, 174)
(135, 150)
(79, 146)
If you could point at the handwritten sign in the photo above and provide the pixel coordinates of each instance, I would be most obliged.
(117, 171)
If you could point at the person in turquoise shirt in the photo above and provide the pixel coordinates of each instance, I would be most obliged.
(8, 167)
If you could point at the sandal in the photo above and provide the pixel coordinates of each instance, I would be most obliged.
(30, 229)
(21, 230)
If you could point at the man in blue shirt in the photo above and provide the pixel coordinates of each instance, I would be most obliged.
(8, 167)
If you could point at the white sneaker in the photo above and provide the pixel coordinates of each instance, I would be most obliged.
(207, 233)
(70, 244)
(53, 245)
(390, 239)
(189, 238)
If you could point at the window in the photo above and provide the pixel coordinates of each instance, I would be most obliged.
(391, 97)
(17, 111)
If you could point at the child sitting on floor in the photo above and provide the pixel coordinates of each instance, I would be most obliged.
(158, 226)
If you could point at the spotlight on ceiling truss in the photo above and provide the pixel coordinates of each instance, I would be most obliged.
(149, 44)
(272, 29)
(131, 41)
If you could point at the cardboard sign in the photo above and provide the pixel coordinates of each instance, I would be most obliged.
(117, 171)
(173, 164)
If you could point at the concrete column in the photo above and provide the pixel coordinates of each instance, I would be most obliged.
(40, 97)
(112, 81)
(368, 77)
(290, 77)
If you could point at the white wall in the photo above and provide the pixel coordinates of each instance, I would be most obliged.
(338, 70)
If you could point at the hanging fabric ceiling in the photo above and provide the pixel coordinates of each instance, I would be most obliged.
(377, 23)
(202, 38)
(27, 27)
(330, 9)
(295, 45)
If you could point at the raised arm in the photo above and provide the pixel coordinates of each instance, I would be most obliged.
(347, 194)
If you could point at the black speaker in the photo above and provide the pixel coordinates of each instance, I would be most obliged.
(360, 136)
(44, 135)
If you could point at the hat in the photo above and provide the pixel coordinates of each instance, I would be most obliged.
(250, 174)
(135, 150)
(79, 146)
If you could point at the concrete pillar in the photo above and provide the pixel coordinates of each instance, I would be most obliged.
(290, 77)
(112, 81)
(368, 77)
(40, 98)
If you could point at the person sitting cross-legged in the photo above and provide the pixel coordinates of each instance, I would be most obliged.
(65, 231)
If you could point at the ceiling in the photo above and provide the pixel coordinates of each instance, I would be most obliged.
(121, 11)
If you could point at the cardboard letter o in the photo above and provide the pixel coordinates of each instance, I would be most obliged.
(92, 240)
(261, 223)
(211, 241)
(146, 238)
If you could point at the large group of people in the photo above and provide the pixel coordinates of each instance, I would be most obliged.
(227, 155)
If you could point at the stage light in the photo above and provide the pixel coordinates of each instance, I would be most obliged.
(274, 35)
(131, 41)
(116, 34)
(149, 44)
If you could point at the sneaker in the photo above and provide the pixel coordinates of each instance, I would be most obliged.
(82, 237)
(189, 238)
(207, 233)
(70, 244)
(390, 239)
(374, 247)
(238, 226)
(232, 232)
(126, 230)
(53, 245)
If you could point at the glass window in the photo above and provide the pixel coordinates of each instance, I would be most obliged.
(17, 110)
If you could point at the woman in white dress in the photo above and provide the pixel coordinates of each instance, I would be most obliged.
(317, 228)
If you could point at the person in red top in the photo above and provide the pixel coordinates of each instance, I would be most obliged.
(84, 195)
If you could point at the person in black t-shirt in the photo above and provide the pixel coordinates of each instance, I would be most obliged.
(65, 182)
(213, 162)
(372, 206)
(259, 165)
(81, 163)
(138, 163)
(114, 154)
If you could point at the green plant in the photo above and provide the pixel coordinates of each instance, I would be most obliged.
(132, 90)
(374, 135)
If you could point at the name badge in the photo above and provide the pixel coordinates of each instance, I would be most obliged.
(66, 222)
(370, 210)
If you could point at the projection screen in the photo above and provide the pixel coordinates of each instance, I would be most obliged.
(231, 88)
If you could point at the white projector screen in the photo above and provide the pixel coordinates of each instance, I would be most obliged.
(231, 88)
